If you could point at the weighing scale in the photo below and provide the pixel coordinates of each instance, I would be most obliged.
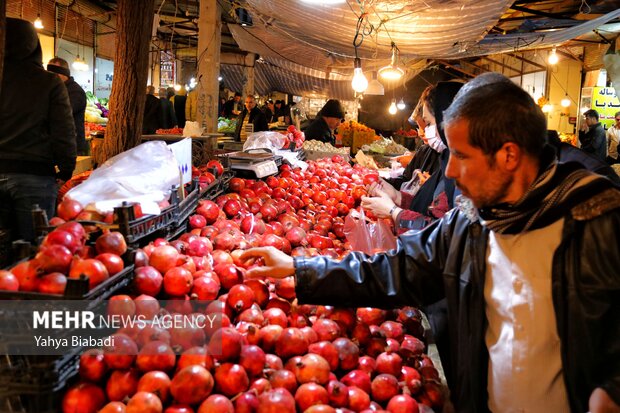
(254, 163)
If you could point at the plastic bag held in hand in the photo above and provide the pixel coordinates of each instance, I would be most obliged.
(368, 236)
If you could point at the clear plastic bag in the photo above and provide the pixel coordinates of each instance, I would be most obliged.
(368, 236)
(142, 174)
(269, 140)
(413, 185)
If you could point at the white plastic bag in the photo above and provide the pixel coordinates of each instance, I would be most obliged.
(269, 140)
(192, 129)
(143, 174)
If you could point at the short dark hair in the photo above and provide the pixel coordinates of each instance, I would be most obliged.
(499, 111)
(238, 94)
(591, 114)
(59, 61)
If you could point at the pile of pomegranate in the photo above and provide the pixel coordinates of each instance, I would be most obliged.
(266, 353)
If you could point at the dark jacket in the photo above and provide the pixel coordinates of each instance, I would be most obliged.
(168, 118)
(319, 131)
(425, 159)
(594, 141)
(179, 109)
(257, 118)
(229, 106)
(77, 97)
(37, 131)
(152, 115)
(448, 259)
(569, 153)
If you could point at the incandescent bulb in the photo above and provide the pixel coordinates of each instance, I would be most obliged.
(38, 23)
(565, 102)
(401, 104)
(553, 57)
(359, 82)
(392, 109)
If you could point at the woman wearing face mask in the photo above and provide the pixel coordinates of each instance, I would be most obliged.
(436, 195)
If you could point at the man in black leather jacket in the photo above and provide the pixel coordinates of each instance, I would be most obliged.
(529, 266)
(37, 133)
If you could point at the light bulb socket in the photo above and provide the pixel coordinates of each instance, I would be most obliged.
(357, 63)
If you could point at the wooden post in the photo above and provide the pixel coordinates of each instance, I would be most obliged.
(131, 60)
(248, 75)
(2, 37)
(209, 43)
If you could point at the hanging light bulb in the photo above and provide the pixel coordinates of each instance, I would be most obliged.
(392, 71)
(401, 104)
(79, 64)
(553, 57)
(177, 87)
(547, 108)
(392, 109)
(359, 82)
(565, 102)
(38, 23)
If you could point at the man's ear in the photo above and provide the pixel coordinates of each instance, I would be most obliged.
(509, 156)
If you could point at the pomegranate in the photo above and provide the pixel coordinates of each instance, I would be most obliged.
(361, 334)
(225, 344)
(68, 209)
(240, 297)
(326, 350)
(276, 401)
(229, 275)
(156, 382)
(367, 364)
(338, 394)
(392, 329)
(313, 368)
(252, 359)
(191, 385)
(285, 288)
(147, 280)
(358, 399)
(64, 238)
(291, 343)
(163, 258)
(83, 398)
(357, 378)
(156, 355)
(348, 353)
(209, 210)
(91, 268)
(309, 394)
(53, 283)
(92, 365)
(195, 356)
(384, 387)
(389, 363)
(178, 281)
(121, 305)
(27, 273)
(273, 362)
(147, 306)
(246, 402)
(111, 242)
(114, 407)
(54, 258)
(112, 262)
(205, 288)
(8, 281)
(276, 316)
(231, 379)
(284, 379)
(216, 403)
(122, 353)
(144, 402)
(371, 316)
(121, 384)
(326, 329)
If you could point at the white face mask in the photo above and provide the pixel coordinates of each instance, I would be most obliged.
(433, 139)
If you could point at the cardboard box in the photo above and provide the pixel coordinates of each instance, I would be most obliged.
(83, 164)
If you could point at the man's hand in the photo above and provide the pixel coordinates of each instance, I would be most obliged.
(584, 127)
(379, 206)
(600, 402)
(277, 263)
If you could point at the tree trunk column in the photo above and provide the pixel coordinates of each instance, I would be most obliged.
(2, 36)
(209, 43)
(248, 75)
(131, 61)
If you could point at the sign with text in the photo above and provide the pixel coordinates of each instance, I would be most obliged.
(606, 103)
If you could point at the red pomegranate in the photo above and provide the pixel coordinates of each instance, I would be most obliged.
(384, 387)
(216, 403)
(231, 379)
(276, 401)
(121, 384)
(156, 355)
(92, 365)
(309, 394)
(191, 385)
(83, 398)
(156, 382)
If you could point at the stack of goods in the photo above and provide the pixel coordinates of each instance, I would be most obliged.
(354, 135)
(96, 109)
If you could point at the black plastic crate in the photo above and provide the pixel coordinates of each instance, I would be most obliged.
(135, 230)
(21, 372)
(187, 206)
(5, 247)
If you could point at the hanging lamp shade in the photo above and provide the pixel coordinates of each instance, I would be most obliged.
(392, 71)
(374, 86)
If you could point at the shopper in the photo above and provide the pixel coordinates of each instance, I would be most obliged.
(250, 115)
(529, 267)
(178, 102)
(613, 139)
(326, 122)
(191, 106)
(168, 118)
(416, 208)
(152, 112)
(77, 97)
(569, 153)
(592, 135)
(231, 108)
(37, 132)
